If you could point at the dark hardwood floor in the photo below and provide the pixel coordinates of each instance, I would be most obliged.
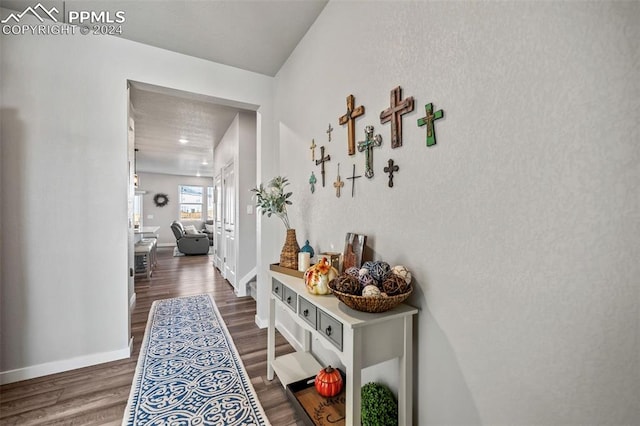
(98, 395)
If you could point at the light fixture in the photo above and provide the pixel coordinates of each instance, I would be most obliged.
(204, 162)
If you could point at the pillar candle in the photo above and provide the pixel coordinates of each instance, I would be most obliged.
(304, 261)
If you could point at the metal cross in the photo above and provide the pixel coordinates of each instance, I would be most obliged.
(322, 160)
(353, 179)
(313, 149)
(338, 183)
(394, 114)
(367, 146)
(390, 169)
(312, 182)
(329, 130)
(428, 120)
(349, 119)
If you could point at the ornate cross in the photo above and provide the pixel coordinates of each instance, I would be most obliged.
(338, 183)
(349, 119)
(313, 149)
(394, 114)
(367, 146)
(322, 160)
(428, 120)
(329, 130)
(353, 179)
(312, 182)
(390, 169)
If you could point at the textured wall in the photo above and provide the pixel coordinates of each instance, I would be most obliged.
(520, 225)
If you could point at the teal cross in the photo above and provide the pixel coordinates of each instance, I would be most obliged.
(428, 120)
(312, 182)
(367, 146)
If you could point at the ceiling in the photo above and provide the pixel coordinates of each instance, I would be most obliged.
(254, 35)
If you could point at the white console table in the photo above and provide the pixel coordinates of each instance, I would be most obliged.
(359, 339)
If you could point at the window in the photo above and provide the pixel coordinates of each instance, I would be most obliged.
(137, 211)
(190, 202)
(210, 202)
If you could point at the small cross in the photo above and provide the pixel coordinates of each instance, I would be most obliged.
(367, 146)
(390, 169)
(353, 179)
(329, 130)
(338, 183)
(428, 120)
(313, 149)
(312, 182)
(349, 119)
(394, 114)
(322, 160)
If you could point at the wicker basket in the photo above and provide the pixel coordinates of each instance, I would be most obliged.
(370, 304)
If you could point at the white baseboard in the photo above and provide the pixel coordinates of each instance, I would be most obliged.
(261, 323)
(54, 367)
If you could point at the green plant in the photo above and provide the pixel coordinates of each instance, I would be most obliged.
(379, 406)
(273, 200)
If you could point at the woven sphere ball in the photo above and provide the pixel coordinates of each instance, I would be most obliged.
(353, 271)
(395, 284)
(379, 271)
(346, 284)
(371, 291)
(367, 266)
(366, 280)
(403, 272)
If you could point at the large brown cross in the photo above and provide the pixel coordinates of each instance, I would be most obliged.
(322, 160)
(349, 119)
(394, 114)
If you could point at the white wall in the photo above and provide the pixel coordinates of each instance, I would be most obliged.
(154, 183)
(64, 300)
(521, 224)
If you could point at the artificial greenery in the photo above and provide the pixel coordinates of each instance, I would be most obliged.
(273, 199)
(379, 406)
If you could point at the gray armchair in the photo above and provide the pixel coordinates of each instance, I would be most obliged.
(189, 243)
(209, 233)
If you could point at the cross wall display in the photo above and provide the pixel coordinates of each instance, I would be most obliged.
(349, 119)
(394, 114)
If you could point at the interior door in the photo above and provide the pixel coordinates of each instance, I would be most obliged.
(229, 209)
(218, 236)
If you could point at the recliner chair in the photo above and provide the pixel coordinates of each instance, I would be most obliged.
(189, 243)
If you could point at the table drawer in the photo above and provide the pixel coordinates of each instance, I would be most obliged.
(290, 298)
(277, 288)
(307, 311)
(330, 328)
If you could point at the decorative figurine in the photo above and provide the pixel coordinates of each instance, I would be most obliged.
(353, 179)
(390, 169)
(322, 160)
(338, 183)
(394, 114)
(312, 182)
(428, 120)
(317, 277)
(367, 146)
(349, 119)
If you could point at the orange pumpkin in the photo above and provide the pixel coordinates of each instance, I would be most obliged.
(328, 382)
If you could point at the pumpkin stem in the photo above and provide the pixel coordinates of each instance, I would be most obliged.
(329, 369)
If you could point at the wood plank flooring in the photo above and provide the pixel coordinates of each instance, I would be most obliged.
(98, 395)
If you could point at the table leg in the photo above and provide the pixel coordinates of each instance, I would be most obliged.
(271, 338)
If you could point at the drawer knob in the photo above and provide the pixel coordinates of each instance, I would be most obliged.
(305, 312)
(327, 331)
(289, 300)
(277, 289)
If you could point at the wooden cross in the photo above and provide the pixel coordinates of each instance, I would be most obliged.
(322, 160)
(390, 169)
(353, 179)
(313, 149)
(428, 120)
(367, 146)
(312, 182)
(329, 130)
(349, 119)
(394, 114)
(338, 183)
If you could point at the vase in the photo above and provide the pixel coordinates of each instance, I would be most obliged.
(289, 253)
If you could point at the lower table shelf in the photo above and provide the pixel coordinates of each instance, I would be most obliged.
(295, 366)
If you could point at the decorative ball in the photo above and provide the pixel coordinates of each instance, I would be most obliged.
(363, 271)
(346, 284)
(353, 271)
(366, 280)
(368, 265)
(371, 291)
(403, 272)
(395, 284)
(379, 271)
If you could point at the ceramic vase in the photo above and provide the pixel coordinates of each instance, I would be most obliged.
(318, 276)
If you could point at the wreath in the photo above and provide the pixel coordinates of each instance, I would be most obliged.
(160, 199)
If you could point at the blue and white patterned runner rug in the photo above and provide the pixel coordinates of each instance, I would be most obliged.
(189, 372)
